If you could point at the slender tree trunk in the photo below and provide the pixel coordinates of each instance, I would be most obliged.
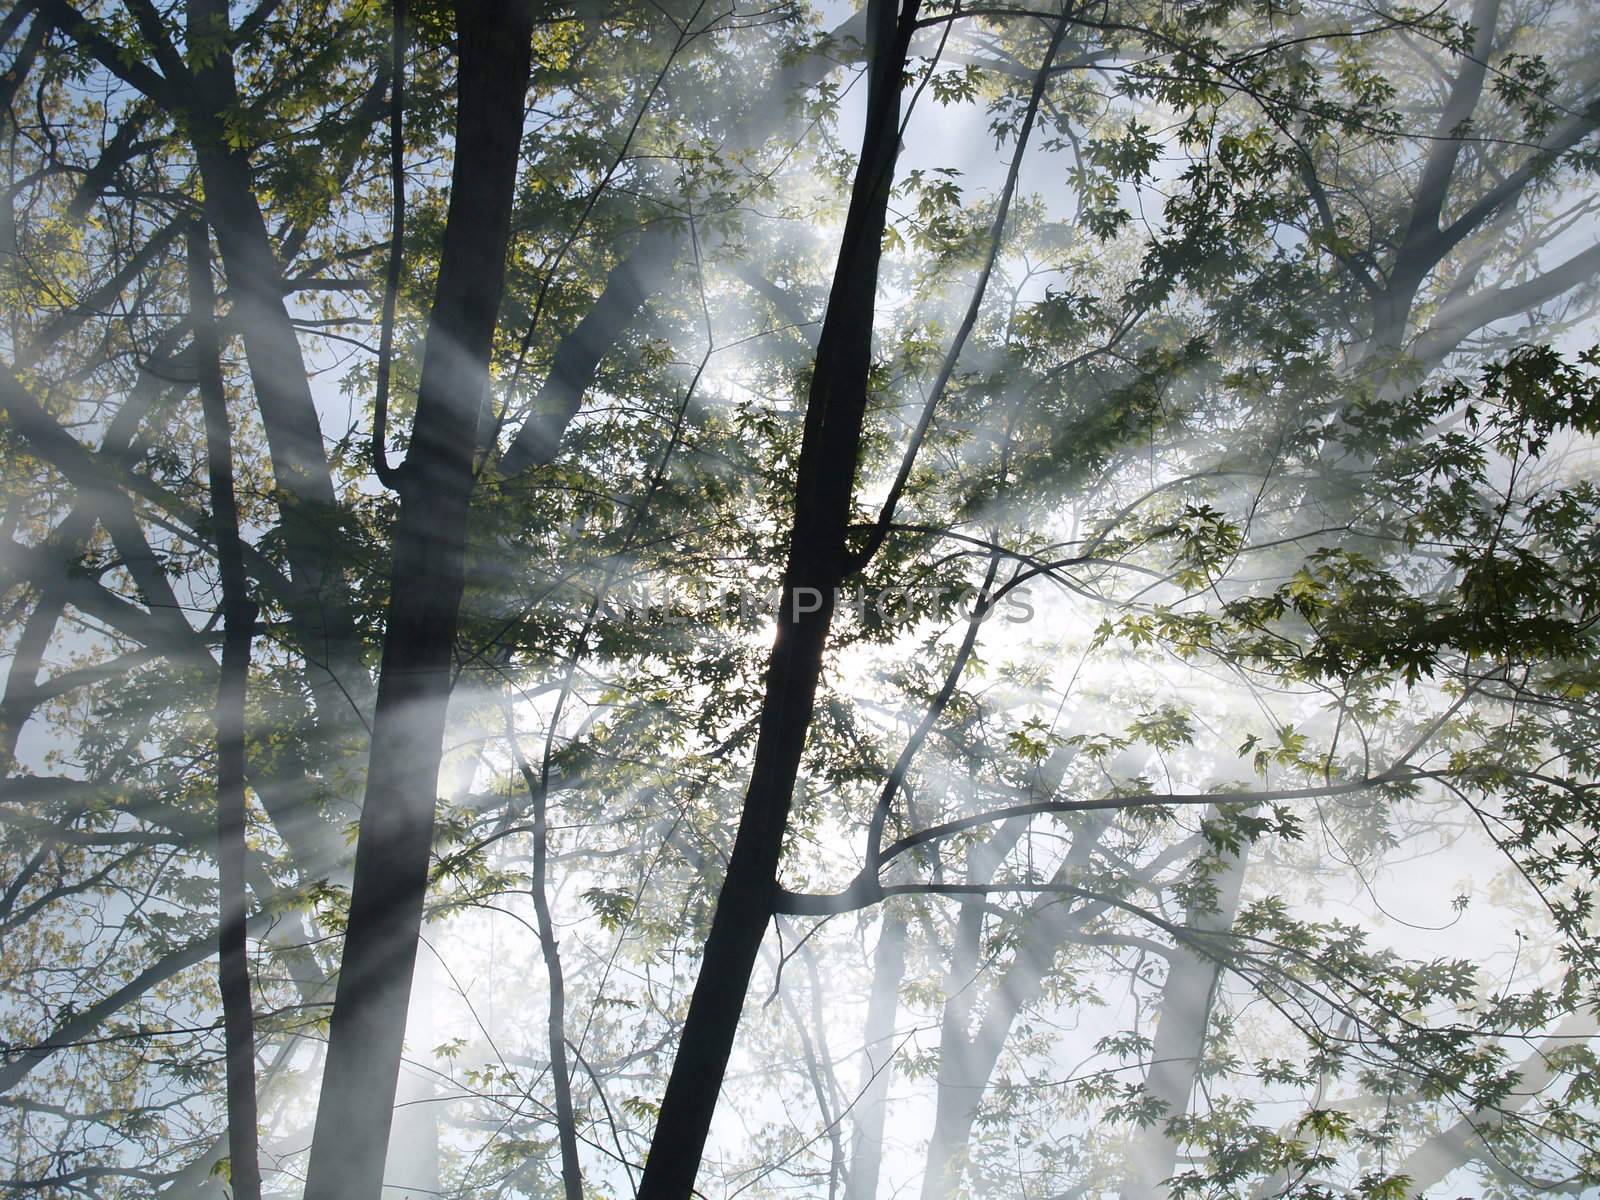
(967, 1057)
(959, 1092)
(239, 616)
(1184, 1014)
(824, 1079)
(392, 851)
(321, 608)
(556, 1019)
(877, 1063)
(960, 1083)
(817, 559)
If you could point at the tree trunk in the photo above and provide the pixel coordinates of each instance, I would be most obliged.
(334, 668)
(392, 851)
(960, 1084)
(1180, 1040)
(959, 1091)
(538, 786)
(817, 556)
(411, 1167)
(877, 1067)
(238, 616)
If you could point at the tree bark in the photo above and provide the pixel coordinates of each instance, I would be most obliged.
(335, 670)
(829, 450)
(239, 616)
(392, 851)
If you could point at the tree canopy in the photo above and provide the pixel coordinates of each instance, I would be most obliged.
(716, 598)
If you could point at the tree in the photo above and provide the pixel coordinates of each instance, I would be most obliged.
(1001, 595)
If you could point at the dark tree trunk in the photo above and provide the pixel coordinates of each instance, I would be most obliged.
(817, 561)
(239, 616)
(556, 1018)
(321, 607)
(392, 852)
